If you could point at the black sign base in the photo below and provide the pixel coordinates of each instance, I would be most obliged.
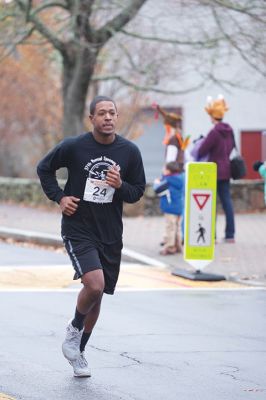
(198, 275)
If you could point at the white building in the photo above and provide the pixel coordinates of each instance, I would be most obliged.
(247, 105)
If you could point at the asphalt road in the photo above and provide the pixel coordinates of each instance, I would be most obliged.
(24, 255)
(164, 344)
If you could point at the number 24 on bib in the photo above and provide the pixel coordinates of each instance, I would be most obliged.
(97, 191)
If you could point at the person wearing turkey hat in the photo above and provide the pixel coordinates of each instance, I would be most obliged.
(218, 145)
(175, 146)
(174, 141)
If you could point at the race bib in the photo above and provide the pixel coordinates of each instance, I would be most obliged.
(98, 191)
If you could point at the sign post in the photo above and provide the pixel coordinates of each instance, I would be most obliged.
(200, 220)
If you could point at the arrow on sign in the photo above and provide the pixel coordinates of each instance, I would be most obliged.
(201, 199)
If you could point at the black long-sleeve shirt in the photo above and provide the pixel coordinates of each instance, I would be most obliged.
(99, 213)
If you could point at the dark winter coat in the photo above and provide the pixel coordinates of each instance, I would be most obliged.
(219, 144)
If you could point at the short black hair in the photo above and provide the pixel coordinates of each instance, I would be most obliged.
(173, 166)
(98, 99)
(257, 165)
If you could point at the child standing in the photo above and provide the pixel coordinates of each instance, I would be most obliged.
(172, 205)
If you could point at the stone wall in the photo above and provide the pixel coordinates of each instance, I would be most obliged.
(26, 191)
(248, 196)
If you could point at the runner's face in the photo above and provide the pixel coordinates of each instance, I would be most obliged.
(104, 118)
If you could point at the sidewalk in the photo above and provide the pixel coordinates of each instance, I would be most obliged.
(243, 261)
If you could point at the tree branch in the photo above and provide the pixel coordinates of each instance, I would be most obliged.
(16, 43)
(240, 9)
(233, 43)
(116, 24)
(28, 10)
(42, 29)
(81, 12)
(146, 88)
(39, 9)
(7, 15)
(132, 63)
(210, 43)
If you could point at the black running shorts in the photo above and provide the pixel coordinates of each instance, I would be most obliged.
(87, 256)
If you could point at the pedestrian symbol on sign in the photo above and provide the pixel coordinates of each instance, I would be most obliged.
(201, 232)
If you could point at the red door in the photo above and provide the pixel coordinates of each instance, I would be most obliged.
(251, 149)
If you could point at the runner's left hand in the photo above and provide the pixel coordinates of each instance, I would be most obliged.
(113, 177)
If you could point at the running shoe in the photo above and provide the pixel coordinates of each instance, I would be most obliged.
(80, 366)
(71, 344)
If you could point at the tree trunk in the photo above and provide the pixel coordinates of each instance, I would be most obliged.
(78, 67)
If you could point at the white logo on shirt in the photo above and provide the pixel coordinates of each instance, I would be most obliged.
(96, 189)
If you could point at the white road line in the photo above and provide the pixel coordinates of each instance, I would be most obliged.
(11, 267)
(124, 265)
(29, 234)
(179, 289)
(143, 259)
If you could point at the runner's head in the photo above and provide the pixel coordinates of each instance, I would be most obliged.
(103, 116)
(98, 99)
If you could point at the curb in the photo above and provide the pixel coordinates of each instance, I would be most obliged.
(47, 239)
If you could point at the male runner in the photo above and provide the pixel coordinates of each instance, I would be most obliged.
(104, 170)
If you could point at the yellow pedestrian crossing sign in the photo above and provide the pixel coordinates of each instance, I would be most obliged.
(200, 213)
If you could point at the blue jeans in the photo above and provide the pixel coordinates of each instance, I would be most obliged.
(223, 190)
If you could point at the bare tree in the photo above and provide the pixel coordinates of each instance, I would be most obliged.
(102, 41)
(67, 26)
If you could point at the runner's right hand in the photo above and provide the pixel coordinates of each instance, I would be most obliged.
(69, 205)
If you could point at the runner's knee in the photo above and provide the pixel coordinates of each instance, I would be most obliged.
(94, 284)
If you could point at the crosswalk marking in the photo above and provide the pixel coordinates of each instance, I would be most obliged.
(4, 396)
(132, 276)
